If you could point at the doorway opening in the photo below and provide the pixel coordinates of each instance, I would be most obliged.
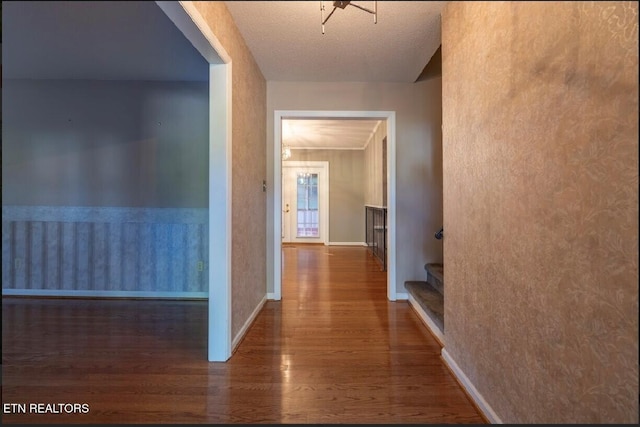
(305, 199)
(388, 117)
(187, 18)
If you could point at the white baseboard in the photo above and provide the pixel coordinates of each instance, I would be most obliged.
(482, 404)
(103, 294)
(271, 296)
(346, 244)
(247, 324)
(402, 296)
(433, 328)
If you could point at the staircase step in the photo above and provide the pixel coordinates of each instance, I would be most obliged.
(429, 299)
(435, 276)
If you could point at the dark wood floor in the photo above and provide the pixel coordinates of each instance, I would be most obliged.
(334, 350)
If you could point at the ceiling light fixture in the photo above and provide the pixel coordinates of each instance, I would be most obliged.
(342, 5)
(286, 152)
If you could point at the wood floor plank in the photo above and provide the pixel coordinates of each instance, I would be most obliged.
(334, 350)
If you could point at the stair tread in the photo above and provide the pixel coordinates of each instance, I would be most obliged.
(429, 298)
(436, 269)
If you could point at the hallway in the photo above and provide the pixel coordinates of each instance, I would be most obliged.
(334, 350)
(351, 356)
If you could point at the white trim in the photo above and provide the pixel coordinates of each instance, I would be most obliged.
(346, 244)
(391, 206)
(220, 213)
(103, 294)
(277, 207)
(271, 296)
(238, 338)
(402, 296)
(390, 117)
(373, 134)
(430, 324)
(375, 129)
(482, 404)
(186, 17)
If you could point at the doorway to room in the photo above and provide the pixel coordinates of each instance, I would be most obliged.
(279, 205)
(187, 18)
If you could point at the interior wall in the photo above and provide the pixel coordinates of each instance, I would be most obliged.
(418, 109)
(104, 188)
(346, 191)
(374, 166)
(248, 235)
(105, 143)
(540, 159)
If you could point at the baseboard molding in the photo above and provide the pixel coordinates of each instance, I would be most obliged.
(402, 296)
(473, 393)
(238, 338)
(433, 328)
(347, 244)
(271, 296)
(103, 294)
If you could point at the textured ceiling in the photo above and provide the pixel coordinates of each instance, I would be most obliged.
(337, 134)
(285, 38)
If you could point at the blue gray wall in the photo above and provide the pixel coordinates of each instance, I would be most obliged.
(104, 187)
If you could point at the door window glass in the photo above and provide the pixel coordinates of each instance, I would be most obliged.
(307, 195)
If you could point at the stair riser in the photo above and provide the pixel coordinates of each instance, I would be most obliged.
(435, 276)
(429, 299)
(436, 282)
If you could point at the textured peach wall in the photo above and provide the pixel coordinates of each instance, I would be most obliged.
(249, 94)
(540, 171)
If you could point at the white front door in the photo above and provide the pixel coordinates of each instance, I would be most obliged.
(305, 202)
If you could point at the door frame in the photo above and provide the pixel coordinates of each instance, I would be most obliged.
(188, 19)
(390, 117)
(323, 194)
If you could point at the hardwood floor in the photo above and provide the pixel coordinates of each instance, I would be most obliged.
(334, 350)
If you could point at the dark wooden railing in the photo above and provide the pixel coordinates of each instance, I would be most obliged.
(376, 233)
